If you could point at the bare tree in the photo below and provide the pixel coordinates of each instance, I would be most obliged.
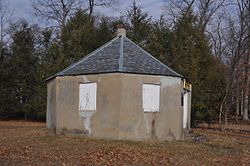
(236, 55)
(244, 8)
(217, 38)
(99, 3)
(5, 15)
(203, 9)
(248, 53)
(174, 8)
(227, 25)
(56, 10)
(206, 11)
(60, 10)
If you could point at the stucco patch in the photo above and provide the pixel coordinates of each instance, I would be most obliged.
(146, 123)
(86, 115)
(169, 81)
(85, 78)
(150, 119)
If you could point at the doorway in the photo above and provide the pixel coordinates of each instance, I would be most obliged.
(185, 110)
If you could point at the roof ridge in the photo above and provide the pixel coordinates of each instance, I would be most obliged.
(121, 55)
(154, 57)
(87, 56)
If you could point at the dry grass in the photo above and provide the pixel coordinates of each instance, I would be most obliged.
(29, 143)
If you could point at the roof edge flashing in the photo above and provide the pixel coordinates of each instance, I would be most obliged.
(112, 72)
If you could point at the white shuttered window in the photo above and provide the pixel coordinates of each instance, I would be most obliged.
(87, 96)
(151, 97)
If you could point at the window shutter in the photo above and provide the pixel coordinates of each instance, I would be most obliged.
(151, 97)
(87, 96)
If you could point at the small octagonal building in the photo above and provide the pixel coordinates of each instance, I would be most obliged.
(119, 91)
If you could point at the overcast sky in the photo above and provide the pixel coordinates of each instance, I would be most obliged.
(23, 8)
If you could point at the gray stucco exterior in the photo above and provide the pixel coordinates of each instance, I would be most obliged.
(119, 113)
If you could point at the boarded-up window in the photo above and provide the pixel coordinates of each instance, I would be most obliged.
(87, 96)
(151, 97)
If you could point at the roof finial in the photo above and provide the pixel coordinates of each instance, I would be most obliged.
(121, 31)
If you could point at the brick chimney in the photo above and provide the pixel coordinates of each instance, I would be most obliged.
(121, 31)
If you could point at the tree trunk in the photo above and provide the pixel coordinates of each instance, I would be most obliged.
(246, 87)
(220, 113)
(237, 113)
(220, 121)
(245, 112)
(242, 103)
(237, 97)
(91, 7)
(225, 118)
(249, 100)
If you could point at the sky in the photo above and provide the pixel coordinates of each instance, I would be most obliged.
(153, 7)
(23, 8)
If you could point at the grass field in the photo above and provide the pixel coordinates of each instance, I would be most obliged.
(29, 143)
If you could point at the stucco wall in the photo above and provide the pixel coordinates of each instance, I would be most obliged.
(119, 113)
(101, 123)
(137, 124)
(51, 105)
